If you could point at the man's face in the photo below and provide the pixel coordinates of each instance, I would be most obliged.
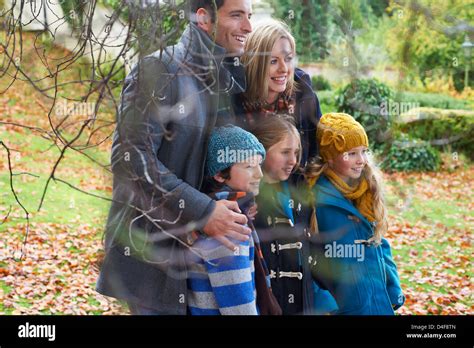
(233, 25)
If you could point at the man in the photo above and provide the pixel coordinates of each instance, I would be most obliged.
(169, 106)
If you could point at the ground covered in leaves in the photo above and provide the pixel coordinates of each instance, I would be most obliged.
(431, 235)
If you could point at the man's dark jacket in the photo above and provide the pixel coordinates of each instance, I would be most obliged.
(168, 107)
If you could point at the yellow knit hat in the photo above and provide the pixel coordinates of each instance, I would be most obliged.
(338, 133)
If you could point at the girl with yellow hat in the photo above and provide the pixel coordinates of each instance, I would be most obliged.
(351, 258)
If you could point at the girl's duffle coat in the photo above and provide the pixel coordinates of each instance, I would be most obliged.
(362, 277)
(284, 237)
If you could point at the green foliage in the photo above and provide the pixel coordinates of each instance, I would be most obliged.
(327, 97)
(155, 25)
(378, 6)
(369, 42)
(357, 37)
(119, 7)
(410, 155)
(446, 128)
(309, 21)
(363, 99)
(158, 25)
(317, 24)
(458, 78)
(424, 41)
(111, 70)
(434, 100)
(113, 4)
(74, 11)
(353, 14)
(320, 83)
(327, 101)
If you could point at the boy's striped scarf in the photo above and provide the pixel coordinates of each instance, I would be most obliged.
(266, 300)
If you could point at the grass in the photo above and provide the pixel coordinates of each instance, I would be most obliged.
(442, 212)
(6, 290)
(433, 250)
(65, 211)
(29, 189)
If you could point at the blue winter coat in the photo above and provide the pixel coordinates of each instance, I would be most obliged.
(362, 278)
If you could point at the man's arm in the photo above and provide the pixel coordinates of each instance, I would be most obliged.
(144, 113)
(143, 116)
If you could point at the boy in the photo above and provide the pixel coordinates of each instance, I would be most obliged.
(222, 281)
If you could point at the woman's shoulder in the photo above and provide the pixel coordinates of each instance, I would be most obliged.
(303, 79)
(237, 101)
(300, 74)
(305, 87)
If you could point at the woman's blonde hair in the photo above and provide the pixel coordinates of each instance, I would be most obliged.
(373, 176)
(273, 129)
(256, 59)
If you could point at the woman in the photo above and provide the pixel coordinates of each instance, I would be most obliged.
(275, 85)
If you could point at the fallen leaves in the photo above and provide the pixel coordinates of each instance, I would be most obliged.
(452, 186)
(58, 274)
(434, 261)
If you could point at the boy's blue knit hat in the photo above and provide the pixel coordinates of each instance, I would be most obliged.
(229, 145)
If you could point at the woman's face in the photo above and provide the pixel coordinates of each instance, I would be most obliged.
(281, 68)
(281, 159)
(349, 165)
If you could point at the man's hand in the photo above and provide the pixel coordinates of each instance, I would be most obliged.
(227, 221)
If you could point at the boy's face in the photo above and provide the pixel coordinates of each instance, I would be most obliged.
(232, 25)
(349, 165)
(244, 176)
